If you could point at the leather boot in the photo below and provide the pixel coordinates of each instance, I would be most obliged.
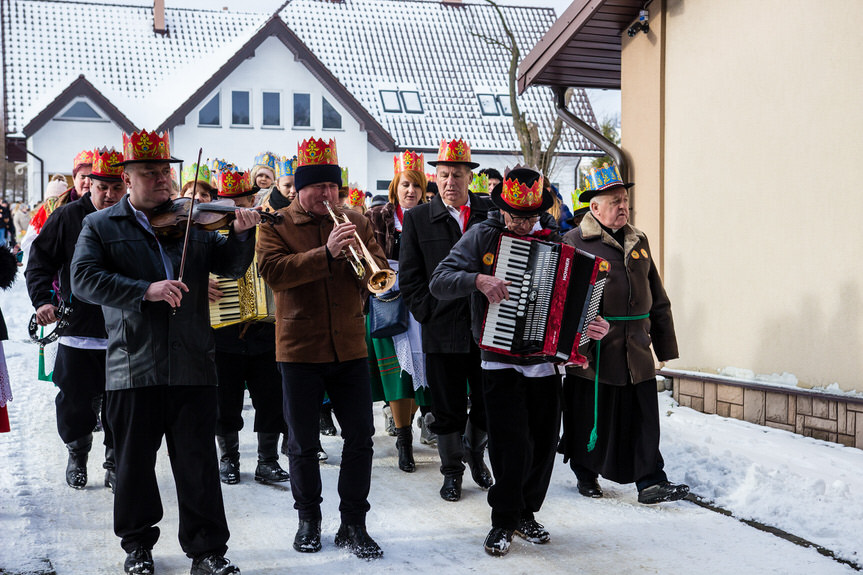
(76, 467)
(451, 450)
(268, 469)
(404, 444)
(110, 467)
(229, 460)
(475, 441)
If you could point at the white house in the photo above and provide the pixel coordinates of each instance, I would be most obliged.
(378, 76)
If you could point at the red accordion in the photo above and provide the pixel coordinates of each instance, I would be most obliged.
(555, 291)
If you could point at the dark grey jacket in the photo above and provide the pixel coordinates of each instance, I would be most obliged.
(428, 234)
(116, 260)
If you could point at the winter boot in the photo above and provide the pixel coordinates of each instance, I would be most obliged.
(427, 436)
(229, 461)
(357, 540)
(663, 491)
(389, 422)
(404, 444)
(213, 564)
(139, 561)
(328, 427)
(76, 467)
(268, 469)
(110, 467)
(498, 541)
(475, 441)
(308, 537)
(451, 450)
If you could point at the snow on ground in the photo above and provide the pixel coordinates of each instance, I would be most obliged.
(809, 488)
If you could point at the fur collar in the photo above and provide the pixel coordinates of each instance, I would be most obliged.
(590, 229)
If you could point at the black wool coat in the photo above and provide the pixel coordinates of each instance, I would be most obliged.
(428, 235)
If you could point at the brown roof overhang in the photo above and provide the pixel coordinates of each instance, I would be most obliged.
(582, 48)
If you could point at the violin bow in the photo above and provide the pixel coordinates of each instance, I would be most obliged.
(191, 211)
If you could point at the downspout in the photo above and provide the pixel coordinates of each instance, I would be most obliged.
(589, 132)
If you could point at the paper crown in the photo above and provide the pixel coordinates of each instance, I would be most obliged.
(345, 183)
(147, 146)
(519, 195)
(408, 160)
(454, 152)
(267, 159)
(314, 152)
(83, 158)
(188, 174)
(600, 179)
(217, 165)
(232, 183)
(576, 204)
(107, 163)
(356, 197)
(479, 184)
(431, 177)
(286, 166)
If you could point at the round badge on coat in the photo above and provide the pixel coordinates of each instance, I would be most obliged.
(635, 255)
(644, 253)
(488, 259)
(603, 266)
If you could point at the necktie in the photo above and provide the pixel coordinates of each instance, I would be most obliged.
(465, 214)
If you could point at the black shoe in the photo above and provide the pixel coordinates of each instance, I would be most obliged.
(451, 490)
(229, 471)
(139, 562)
(478, 470)
(404, 444)
(530, 530)
(213, 564)
(356, 539)
(270, 472)
(589, 488)
(328, 427)
(308, 537)
(76, 466)
(111, 479)
(662, 491)
(497, 541)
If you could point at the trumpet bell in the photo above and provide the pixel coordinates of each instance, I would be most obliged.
(382, 281)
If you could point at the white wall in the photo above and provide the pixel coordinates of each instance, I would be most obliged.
(272, 69)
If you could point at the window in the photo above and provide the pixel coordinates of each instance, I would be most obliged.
(503, 104)
(81, 110)
(390, 101)
(240, 109)
(412, 102)
(382, 185)
(271, 109)
(332, 120)
(488, 104)
(302, 110)
(209, 115)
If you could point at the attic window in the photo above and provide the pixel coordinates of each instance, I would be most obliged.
(331, 119)
(488, 104)
(390, 100)
(412, 102)
(81, 111)
(503, 104)
(209, 115)
(240, 115)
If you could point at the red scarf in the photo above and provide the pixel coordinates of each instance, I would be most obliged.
(465, 213)
(400, 215)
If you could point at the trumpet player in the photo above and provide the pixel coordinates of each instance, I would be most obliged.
(320, 288)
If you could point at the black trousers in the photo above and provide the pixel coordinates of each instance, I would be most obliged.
(449, 375)
(186, 417)
(523, 416)
(80, 376)
(259, 374)
(347, 385)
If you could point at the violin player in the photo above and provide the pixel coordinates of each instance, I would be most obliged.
(161, 377)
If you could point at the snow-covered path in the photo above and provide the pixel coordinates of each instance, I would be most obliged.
(810, 488)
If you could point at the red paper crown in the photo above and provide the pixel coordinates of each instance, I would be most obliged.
(408, 160)
(146, 146)
(454, 151)
(520, 196)
(431, 177)
(232, 184)
(356, 197)
(105, 163)
(83, 158)
(314, 152)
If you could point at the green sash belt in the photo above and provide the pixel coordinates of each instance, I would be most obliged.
(593, 435)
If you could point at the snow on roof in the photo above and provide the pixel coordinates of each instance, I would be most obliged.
(47, 44)
(368, 45)
(432, 47)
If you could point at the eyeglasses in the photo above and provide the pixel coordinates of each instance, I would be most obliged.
(529, 220)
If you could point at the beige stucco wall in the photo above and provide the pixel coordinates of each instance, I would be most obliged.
(760, 180)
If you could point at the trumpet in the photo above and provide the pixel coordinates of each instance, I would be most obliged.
(380, 280)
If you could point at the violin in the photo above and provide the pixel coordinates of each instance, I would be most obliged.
(170, 219)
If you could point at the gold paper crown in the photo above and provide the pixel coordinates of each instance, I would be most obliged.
(232, 183)
(286, 166)
(356, 197)
(83, 158)
(576, 204)
(519, 195)
(479, 184)
(454, 151)
(188, 174)
(104, 163)
(146, 146)
(408, 160)
(314, 152)
(267, 159)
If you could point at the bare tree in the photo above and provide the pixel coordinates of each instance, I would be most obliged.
(527, 131)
